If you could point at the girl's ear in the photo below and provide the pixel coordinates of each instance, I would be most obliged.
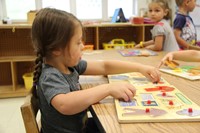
(56, 52)
(166, 11)
(187, 2)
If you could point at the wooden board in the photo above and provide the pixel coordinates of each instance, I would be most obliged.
(159, 102)
(187, 72)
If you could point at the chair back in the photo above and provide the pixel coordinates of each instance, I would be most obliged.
(29, 111)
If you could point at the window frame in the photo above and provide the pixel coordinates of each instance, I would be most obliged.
(38, 5)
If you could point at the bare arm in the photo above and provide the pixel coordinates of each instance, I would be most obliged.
(186, 55)
(158, 44)
(116, 67)
(147, 43)
(77, 101)
(182, 42)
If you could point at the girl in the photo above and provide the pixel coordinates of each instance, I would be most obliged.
(163, 36)
(57, 39)
(186, 55)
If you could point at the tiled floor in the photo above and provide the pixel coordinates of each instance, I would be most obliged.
(10, 115)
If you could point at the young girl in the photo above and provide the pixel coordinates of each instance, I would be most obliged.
(57, 39)
(186, 55)
(163, 36)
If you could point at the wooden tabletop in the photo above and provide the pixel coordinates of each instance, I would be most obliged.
(105, 114)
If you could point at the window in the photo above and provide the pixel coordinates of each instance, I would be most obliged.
(89, 9)
(59, 4)
(16, 9)
(83, 9)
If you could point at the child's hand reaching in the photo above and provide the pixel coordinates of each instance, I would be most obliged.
(122, 90)
(150, 72)
(168, 57)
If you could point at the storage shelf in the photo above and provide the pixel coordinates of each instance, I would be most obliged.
(17, 54)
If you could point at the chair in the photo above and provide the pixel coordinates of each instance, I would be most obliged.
(29, 111)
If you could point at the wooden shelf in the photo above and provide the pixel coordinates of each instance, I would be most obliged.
(17, 54)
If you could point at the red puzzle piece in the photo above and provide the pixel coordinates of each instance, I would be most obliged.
(160, 88)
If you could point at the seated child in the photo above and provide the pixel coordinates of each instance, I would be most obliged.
(57, 37)
(162, 33)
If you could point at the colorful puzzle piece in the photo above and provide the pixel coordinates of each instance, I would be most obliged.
(171, 64)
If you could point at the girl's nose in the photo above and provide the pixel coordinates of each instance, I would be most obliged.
(82, 46)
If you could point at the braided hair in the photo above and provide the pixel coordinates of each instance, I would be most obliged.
(51, 29)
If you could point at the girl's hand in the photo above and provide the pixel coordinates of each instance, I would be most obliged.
(122, 90)
(168, 57)
(151, 73)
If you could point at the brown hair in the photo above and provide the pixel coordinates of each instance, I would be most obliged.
(164, 5)
(52, 29)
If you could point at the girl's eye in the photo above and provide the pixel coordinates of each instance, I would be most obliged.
(80, 42)
(157, 10)
(150, 10)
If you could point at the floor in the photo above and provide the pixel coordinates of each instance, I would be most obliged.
(10, 115)
(11, 119)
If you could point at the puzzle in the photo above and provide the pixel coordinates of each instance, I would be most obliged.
(154, 102)
(137, 52)
(187, 72)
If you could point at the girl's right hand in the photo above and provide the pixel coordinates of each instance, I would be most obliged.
(122, 90)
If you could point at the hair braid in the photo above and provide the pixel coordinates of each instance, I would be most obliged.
(37, 73)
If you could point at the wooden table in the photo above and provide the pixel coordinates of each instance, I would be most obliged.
(105, 114)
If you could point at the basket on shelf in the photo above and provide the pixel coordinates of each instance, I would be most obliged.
(118, 44)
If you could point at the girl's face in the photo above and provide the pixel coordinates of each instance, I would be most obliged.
(156, 12)
(73, 52)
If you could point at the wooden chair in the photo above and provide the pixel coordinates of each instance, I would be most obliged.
(29, 111)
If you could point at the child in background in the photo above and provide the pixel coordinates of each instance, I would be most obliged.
(184, 29)
(186, 55)
(57, 39)
(162, 33)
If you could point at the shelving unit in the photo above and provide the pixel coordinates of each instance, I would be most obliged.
(17, 55)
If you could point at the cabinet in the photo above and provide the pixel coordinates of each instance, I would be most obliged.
(17, 54)
(104, 33)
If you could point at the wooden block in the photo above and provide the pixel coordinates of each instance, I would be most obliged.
(171, 64)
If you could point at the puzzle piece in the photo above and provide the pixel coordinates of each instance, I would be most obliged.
(160, 88)
(153, 112)
(171, 64)
(189, 112)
